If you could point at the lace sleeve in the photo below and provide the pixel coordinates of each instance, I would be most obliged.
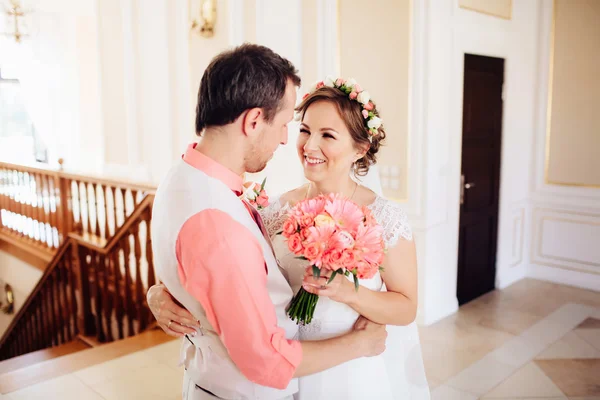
(273, 216)
(394, 221)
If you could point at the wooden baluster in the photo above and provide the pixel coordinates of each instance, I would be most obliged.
(31, 329)
(45, 319)
(116, 211)
(107, 234)
(127, 286)
(84, 209)
(58, 212)
(96, 293)
(4, 198)
(83, 203)
(124, 197)
(24, 206)
(86, 323)
(89, 196)
(106, 297)
(65, 306)
(99, 212)
(27, 226)
(8, 190)
(19, 202)
(118, 302)
(39, 209)
(76, 210)
(39, 324)
(134, 196)
(52, 306)
(149, 256)
(2, 195)
(27, 331)
(53, 211)
(68, 202)
(32, 195)
(139, 288)
(56, 294)
(13, 197)
(74, 271)
(47, 210)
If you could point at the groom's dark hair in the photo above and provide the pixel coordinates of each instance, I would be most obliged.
(248, 76)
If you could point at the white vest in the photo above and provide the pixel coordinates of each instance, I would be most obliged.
(183, 193)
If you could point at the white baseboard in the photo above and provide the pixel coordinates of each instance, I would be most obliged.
(509, 276)
(438, 311)
(565, 277)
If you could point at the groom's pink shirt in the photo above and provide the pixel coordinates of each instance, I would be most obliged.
(221, 264)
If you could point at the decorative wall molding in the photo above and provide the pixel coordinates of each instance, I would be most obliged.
(556, 229)
(518, 236)
(540, 185)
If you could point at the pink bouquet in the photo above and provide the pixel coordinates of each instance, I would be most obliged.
(333, 233)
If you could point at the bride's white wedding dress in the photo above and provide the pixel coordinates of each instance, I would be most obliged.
(396, 374)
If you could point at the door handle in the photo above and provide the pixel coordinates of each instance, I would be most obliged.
(462, 189)
(464, 186)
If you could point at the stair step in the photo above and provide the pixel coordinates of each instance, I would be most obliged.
(35, 357)
(53, 368)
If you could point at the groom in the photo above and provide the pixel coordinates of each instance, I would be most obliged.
(213, 254)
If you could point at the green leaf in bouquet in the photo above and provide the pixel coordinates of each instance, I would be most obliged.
(332, 277)
(381, 269)
(355, 282)
(262, 185)
(316, 271)
(301, 258)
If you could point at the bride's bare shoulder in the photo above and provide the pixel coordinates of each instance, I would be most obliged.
(294, 196)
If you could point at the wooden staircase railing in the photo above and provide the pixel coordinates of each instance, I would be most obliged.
(40, 207)
(94, 286)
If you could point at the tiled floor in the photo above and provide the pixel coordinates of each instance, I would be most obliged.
(533, 340)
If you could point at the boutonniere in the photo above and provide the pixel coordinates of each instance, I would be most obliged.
(255, 194)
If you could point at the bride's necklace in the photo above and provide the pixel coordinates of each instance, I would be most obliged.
(310, 184)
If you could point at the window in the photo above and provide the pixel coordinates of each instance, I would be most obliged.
(18, 140)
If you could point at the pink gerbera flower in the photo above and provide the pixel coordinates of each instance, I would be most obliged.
(345, 213)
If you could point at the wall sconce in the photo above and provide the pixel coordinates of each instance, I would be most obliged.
(208, 17)
(9, 308)
(13, 15)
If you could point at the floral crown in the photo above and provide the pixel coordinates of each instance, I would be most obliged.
(355, 92)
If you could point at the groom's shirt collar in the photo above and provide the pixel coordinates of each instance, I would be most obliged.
(213, 169)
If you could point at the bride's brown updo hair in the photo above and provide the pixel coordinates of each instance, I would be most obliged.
(353, 113)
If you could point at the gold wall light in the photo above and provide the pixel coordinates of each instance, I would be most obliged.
(205, 25)
(14, 15)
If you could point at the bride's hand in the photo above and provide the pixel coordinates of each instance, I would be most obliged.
(340, 289)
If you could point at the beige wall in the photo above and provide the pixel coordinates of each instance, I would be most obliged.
(375, 50)
(574, 103)
(498, 8)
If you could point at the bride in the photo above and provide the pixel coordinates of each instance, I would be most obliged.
(340, 131)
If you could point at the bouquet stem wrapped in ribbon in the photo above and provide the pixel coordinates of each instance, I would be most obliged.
(332, 233)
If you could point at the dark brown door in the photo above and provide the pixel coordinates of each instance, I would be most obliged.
(480, 179)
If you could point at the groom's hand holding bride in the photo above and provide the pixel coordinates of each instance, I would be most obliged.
(172, 318)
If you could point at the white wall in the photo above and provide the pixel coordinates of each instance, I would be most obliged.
(445, 33)
(537, 223)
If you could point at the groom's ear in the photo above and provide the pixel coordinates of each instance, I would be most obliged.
(251, 121)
